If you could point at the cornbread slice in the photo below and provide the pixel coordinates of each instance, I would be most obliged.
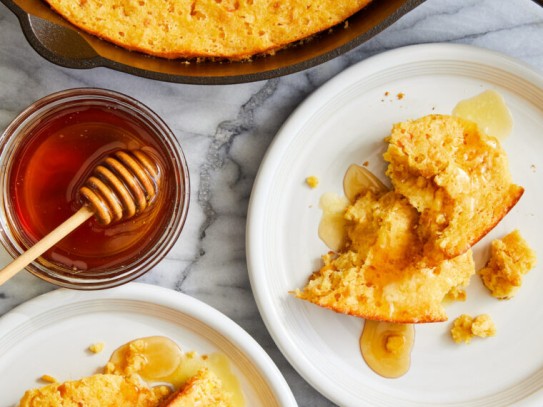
(204, 389)
(100, 390)
(382, 274)
(233, 29)
(510, 259)
(455, 176)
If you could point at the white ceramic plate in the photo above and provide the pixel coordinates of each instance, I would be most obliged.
(50, 335)
(345, 122)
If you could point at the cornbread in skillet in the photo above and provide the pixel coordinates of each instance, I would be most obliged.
(510, 259)
(232, 29)
(382, 274)
(99, 390)
(204, 389)
(455, 176)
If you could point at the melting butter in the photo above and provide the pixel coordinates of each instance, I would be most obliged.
(332, 224)
(489, 111)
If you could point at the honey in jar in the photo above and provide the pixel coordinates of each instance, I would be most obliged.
(56, 157)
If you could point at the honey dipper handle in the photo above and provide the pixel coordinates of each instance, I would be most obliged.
(45, 243)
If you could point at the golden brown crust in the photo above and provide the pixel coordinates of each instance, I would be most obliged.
(226, 29)
(203, 389)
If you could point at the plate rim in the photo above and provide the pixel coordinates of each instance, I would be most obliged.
(168, 298)
(295, 121)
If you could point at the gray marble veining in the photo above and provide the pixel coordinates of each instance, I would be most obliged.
(225, 131)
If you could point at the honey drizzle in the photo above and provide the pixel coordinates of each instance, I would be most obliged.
(159, 360)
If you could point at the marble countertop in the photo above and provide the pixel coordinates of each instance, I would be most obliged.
(225, 131)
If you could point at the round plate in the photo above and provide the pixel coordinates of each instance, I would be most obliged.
(345, 122)
(51, 333)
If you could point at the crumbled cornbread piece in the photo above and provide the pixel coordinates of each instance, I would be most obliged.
(466, 327)
(483, 326)
(312, 181)
(135, 359)
(395, 343)
(456, 177)
(162, 392)
(97, 347)
(381, 273)
(49, 379)
(461, 329)
(510, 259)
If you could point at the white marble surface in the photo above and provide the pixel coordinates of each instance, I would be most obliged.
(225, 130)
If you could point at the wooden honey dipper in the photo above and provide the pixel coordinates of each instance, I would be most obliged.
(123, 185)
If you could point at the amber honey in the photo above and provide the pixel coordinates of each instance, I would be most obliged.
(158, 359)
(51, 163)
(386, 347)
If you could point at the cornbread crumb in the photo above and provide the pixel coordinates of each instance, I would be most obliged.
(312, 181)
(461, 329)
(400, 96)
(510, 259)
(483, 326)
(49, 379)
(135, 359)
(97, 347)
(162, 391)
(395, 343)
(466, 327)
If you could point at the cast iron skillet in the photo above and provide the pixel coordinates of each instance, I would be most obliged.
(65, 45)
